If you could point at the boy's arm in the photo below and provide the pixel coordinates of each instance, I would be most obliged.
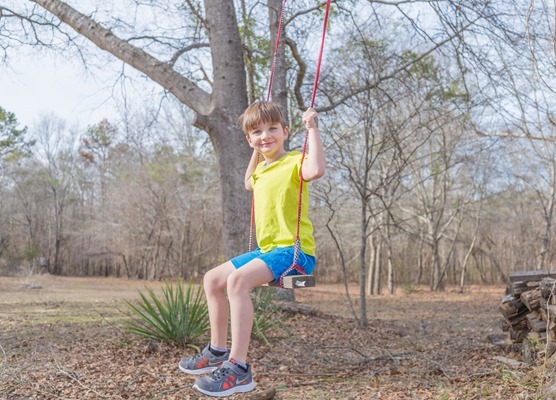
(250, 169)
(315, 164)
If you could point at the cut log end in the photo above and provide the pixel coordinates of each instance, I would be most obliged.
(529, 312)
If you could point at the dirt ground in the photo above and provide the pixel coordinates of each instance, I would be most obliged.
(62, 338)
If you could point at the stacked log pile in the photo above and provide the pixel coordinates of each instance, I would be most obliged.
(529, 310)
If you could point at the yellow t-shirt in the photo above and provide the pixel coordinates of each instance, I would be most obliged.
(276, 191)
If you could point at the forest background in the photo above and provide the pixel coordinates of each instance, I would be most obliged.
(437, 117)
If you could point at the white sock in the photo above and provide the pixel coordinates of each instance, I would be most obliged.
(241, 364)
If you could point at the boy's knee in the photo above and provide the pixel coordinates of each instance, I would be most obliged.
(236, 283)
(211, 281)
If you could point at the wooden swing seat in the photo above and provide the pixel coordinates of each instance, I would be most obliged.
(296, 282)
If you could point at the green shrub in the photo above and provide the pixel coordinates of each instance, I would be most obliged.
(265, 314)
(177, 317)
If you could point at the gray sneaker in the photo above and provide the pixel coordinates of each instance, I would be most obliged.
(226, 380)
(203, 362)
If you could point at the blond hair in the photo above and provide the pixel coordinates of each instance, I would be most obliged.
(261, 112)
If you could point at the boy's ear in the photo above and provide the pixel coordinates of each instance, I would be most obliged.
(286, 132)
(248, 140)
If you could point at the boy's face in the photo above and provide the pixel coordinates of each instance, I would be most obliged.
(268, 139)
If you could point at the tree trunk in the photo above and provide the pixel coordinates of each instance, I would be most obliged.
(58, 200)
(446, 268)
(227, 102)
(471, 247)
(390, 268)
(279, 86)
(363, 322)
(548, 216)
(420, 258)
(376, 275)
(435, 281)
(372, 262)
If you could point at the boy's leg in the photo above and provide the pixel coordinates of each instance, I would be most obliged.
(214, 283)
(232, 377)
(240, 282)
(208, 360)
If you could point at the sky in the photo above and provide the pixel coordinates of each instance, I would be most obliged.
(34, 84)
(30, 87)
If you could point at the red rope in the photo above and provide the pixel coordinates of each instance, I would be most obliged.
(313, 96)
(268, 95)
(323, 36)
(252, 225)
(297, 243)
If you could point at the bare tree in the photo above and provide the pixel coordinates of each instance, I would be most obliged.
(13, 147)
(58, 156)
(377, 134)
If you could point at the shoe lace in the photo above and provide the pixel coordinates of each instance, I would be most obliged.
(220, 373)
(196, 358)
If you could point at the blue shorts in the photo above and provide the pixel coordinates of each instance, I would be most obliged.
(278, 260)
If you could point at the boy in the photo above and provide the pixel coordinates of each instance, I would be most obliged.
(275, 185)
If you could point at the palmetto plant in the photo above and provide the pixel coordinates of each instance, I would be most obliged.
(177, 316)
(265, 314)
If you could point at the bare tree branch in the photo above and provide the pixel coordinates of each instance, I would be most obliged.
(181, 52)
(375, 83)
(300, 73)
(184, 89)
(514, 135)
